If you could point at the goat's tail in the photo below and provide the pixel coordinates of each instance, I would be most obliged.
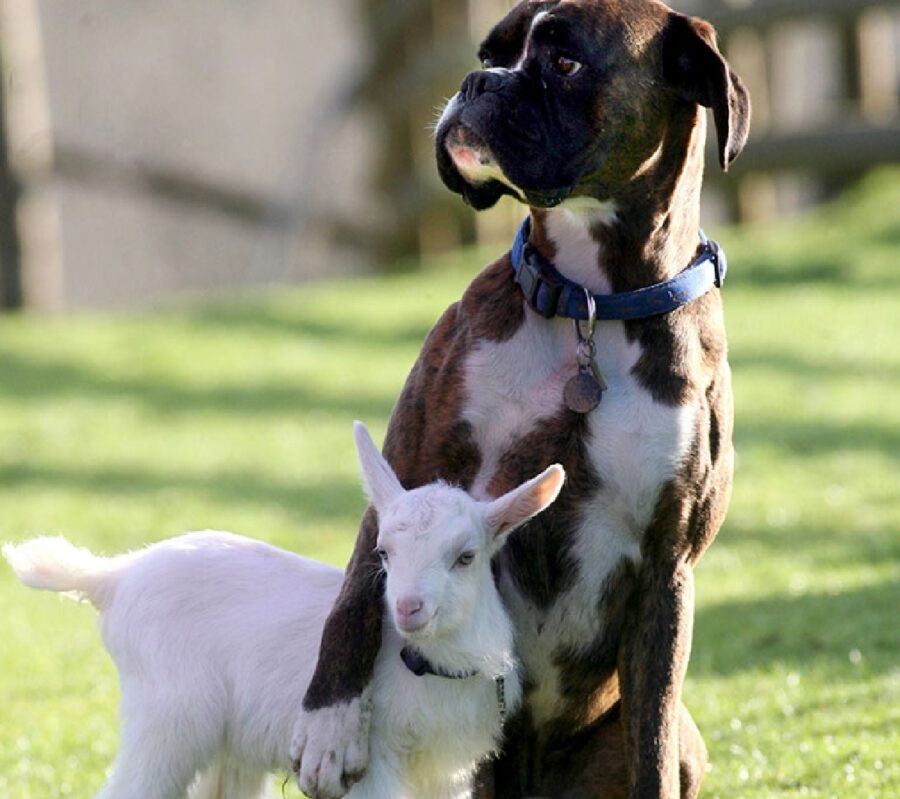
(53, 564)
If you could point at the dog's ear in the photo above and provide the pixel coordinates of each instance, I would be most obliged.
(694, 67)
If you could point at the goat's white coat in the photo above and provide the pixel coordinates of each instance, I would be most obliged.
(215, 638)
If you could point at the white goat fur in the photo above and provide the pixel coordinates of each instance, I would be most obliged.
(215, 638)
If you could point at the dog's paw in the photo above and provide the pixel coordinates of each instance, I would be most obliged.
(330, 748)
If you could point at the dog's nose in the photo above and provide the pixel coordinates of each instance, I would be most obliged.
(410, 615)
(487, 80)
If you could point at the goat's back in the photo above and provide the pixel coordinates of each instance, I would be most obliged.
(233, 623)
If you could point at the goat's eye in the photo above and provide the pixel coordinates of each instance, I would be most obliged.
(567, 66)
(465, 559)
(382, 553)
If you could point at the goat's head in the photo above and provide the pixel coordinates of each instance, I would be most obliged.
(436, 542)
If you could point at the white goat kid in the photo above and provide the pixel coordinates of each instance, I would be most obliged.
(215, 639)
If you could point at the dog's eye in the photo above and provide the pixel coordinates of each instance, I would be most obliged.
(567, 66)
(382, 554)
(465, 559)
(487, 63)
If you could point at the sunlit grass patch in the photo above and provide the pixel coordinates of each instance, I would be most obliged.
(121, 429)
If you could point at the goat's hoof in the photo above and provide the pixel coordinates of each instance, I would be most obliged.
(330, 748)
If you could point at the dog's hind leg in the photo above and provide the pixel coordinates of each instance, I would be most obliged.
(595, 767)
(692, 755)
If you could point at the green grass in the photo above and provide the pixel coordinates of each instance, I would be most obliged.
(117, 430)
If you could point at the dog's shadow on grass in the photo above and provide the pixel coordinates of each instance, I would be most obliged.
(326, 499)
(818, 437)
(250, 318)
(855, 628)
(774, 275)
(814, 367)
(28, 378)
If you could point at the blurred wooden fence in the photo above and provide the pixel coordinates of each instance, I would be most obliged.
(852, 126)
(136, 167)
(10, 254)
(422, 48)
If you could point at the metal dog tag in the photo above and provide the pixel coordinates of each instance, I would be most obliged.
(584, 391)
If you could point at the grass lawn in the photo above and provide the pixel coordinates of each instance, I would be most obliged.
(118, 430)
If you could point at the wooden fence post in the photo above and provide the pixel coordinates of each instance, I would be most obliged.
(10, 191)
(877, 45)
(29, 206)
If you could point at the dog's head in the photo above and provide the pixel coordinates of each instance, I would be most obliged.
(575, 96)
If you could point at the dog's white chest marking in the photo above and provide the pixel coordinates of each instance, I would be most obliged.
(635, 445)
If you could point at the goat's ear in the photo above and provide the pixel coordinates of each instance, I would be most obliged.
(693, 66)
(506, 513)
(379, 481)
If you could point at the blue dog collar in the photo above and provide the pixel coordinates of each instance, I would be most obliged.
(551, 294)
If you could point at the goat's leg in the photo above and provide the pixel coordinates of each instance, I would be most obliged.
(431, 786)
(447, 792)
(148, 774)
(162, 747)
(384, 778)
(229, 780)
(243, 783)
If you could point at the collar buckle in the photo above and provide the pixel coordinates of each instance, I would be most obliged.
(533, 279)
(717, 256)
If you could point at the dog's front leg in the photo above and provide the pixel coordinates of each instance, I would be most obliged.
(652, 665)
(330, 747)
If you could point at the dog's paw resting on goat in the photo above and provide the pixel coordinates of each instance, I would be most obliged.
(215, 638)
(325, 769)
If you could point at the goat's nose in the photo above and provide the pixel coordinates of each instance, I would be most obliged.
(409, 612)
(477, 83)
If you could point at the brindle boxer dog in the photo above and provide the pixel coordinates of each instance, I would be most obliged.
(592, 113)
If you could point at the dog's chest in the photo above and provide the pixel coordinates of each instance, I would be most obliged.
(633, 442)
(633, 445)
